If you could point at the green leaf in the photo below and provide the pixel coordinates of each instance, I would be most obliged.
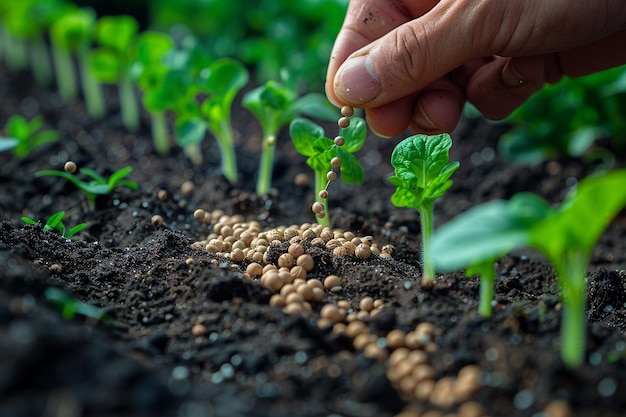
(488, 231)
(73, 30)
(225, 77)
(351, 170)
(303, 134)
(190, 131)
(18, 127)
(317, 106)
(354, 134)
(105, 65)
(117, 32)
(75, 230)
(55, 222)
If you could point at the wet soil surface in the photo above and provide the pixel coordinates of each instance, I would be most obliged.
(189, 333)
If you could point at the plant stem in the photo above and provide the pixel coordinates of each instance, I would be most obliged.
(487, 279)
(571, 275)
(320, 184)
(15, 53)
(128, 103)
(194, 153)
(226, 143)
(40, 61)
(91, 87)
(426, 215)
(65, 73)
(264, 179)
(160, 138)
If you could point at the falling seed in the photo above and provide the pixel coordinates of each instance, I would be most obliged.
(343, 122)
(347, 111)
(339, 141)
(317, 207)
(323, 195)
(335, 162)
(331, 175)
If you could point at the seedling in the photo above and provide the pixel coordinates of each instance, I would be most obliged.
(149, 71)
(111, 61)
(565, 235)
(422, 175)
(98, 185)
(71, 34)
(55, 222)
(221, 80)
(24, 137)
(70, 306)
(325, 155)
(275, 105)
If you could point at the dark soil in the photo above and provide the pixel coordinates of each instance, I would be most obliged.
(253, 359)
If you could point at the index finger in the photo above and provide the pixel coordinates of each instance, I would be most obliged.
(366, 21)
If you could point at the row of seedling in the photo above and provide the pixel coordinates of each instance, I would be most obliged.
(186, 92)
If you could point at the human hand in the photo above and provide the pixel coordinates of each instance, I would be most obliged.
(414, 63)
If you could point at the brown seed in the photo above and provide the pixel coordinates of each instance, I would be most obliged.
(162, 195)
(363, 339)
(343, 122)
(306, 262)
(187, 188)
(295, 250)
(317, 207)
(157, 221)
(395, 339)
(363, 251)
(285, 260)
(199, 214)
(332, 281)
(424, 389)
(198, 329)
(305, 292)
(331, 312)
(318, 294)
(473, 409)
(323, 195)
(347, 111)
(321, 215)
(298, 272)
(55, 268)
(301, 180)
(331, 175)
(558, 408)
(237, 255)
(340, 251)
(366, 304)
(335, 162)
(277, 300)
(339, 141)
(70, 167)
(355, 328)
(315, 283)
(294, 297)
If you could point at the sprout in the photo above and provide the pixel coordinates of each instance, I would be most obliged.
(55, 222)
(24, 137)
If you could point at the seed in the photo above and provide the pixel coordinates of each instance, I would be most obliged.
(301, 180)
(306, 262)
(340, 251)
(317, 207)
(295, 250)
(340, 140)
(55, 268)
(395, 339)
(472, 409)
(298, 272)
(347, 111)
(363, 251)
(70, 167)
(162, 195)
(366, 304)
(331, 175)
(362, 340)
(323, 195)
(343, 122)
(199, 214)
(335, 162)
(157, 221)
(198, 329)
(277, 300)
(332, 281)
(356, 328)
(321, 215)
(558, 408)
(237, 255)
(186, 188)
(318, 294)
(294, 297)
(305, 292)
(285, 260)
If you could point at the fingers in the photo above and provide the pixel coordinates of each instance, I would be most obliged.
(365, 22)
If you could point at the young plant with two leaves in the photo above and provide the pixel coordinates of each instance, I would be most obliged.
(96, 184)
(422, 175)
(565, 235)
(23, 136)
(309, 140)
(55, 222)
(275, 104)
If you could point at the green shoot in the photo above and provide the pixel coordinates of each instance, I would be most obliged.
(487, 275)
(24, 137)
(422, 175)
(221, 80)
(111, 61)
(70, 306)
(566, 236)
(97, 185)
(149, 71)
(55, 222)
(275, 105)
(71, 34)
(309, 140)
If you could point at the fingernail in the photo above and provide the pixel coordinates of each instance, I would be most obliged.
(511, 77)
(357, 82)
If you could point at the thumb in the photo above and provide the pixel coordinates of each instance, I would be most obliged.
(412, 55)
